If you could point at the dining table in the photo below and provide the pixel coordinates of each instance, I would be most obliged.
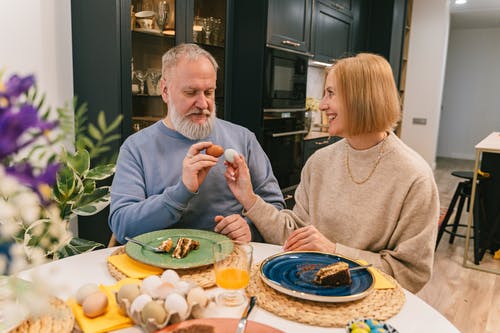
(67, 275)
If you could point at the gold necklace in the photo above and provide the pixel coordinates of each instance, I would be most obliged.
(359, 182)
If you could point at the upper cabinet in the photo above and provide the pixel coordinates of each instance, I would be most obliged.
(157, 26)
(332, 30)
(289, 24)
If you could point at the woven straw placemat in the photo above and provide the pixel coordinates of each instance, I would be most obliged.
(203, 276)
(380, 304)
(59, 320)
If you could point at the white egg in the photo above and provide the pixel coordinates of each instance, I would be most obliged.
(175, 303)
(164, 289)
(139, 303)
(86, 290)
(229, 154)
(170, 276)
(150, 284)
(183, 286)
(197, 295)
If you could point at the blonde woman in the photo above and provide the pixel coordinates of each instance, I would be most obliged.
(367, 196)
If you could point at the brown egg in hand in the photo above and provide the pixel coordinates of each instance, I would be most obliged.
(215, 150)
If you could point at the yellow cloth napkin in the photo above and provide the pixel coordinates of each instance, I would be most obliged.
(112, 320)
(133, 268)
(380, 281)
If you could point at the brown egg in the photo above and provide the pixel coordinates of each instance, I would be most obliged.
(95, 304)
(215, 150)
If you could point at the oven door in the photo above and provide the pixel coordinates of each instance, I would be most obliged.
(283, 142)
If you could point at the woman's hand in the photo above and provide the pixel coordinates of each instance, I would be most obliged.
(308, 239)
(233, 226)
(196, 166)
(239, 182)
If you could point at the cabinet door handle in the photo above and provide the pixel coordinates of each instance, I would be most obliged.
(289, 42)
(324, 142)
(288, 197)
(276, 135)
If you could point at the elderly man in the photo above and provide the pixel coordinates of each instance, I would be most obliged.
(164, 178)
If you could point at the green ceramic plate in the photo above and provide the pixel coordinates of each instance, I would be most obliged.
(196, 258)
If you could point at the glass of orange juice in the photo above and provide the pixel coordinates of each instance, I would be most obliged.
(232, 262)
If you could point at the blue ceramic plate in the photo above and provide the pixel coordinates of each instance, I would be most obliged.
(292, 273)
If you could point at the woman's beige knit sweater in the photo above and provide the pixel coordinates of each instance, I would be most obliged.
(389, 221)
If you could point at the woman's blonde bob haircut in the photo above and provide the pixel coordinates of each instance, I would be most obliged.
(367, 91)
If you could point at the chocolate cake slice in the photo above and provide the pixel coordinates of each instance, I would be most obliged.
(336, 274)
(184, 246)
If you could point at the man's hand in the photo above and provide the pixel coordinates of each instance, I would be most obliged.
(196, 166)
(234, 226)
(308, 239)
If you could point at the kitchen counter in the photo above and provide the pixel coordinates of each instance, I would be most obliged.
(316, 135)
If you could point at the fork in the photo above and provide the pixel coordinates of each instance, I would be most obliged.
(146, 246)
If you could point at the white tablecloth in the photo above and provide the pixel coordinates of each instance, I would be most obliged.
(70, 273)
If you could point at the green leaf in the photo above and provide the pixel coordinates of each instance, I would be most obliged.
(94, 132)
(101, 172)
(99, 194)
(115, 123)
(78, 246)
(87, 142)
(66, 183)
(80, 161)
(88, 185)
(92, 208)
(112, 138)
(101, 121)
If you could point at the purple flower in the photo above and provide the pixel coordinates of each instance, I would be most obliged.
(15, 123)
(25, 173)
(14, 87)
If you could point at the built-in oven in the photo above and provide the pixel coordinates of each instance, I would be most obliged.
(284, 116)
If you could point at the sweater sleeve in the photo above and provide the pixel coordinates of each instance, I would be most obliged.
(275, 225)
(131, 212)
(264, 184)
(409, 256)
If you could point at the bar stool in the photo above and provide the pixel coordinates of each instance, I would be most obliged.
(461, 194)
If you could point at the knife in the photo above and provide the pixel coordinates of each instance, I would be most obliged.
(243, 321)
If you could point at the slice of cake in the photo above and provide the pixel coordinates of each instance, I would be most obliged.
(336, 274)
(184, 246)
(166, 245)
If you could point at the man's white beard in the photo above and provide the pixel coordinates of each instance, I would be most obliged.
(186, 127)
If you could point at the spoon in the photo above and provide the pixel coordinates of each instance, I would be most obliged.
(146, 246)
(359, 267)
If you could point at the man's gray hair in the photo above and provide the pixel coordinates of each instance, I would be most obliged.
(181, 51)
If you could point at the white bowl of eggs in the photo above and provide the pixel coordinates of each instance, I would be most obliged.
(161, 300)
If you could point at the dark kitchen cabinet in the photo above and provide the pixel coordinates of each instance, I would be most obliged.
(332, 33)
(311, 145)
(110, 46)
(343, 6)
(289, 24)
(386, 31)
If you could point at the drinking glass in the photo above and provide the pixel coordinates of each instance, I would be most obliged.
(162, 14)
(141, 76)
(155, 76)
(232, 263)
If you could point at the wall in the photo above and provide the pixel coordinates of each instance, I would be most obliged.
(471, 99)
(36, 39)
(425, 76)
